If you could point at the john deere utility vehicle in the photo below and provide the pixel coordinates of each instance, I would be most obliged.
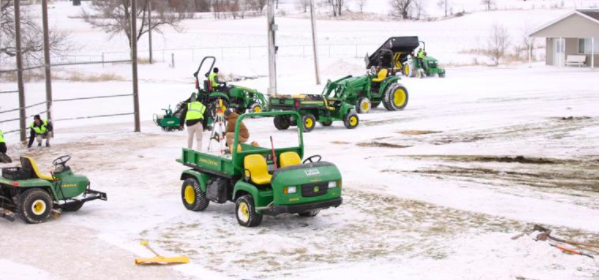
(261, 181)
(369, 91)
(242, 99)
(313, 108)
(33, 195)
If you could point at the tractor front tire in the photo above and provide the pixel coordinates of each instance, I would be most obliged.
(245, 211)
(35, 206)
(351, 121)
(309, 122)
(72, 206)
(194, 199)
(309, 214)
(396, 97)
(363, 105)
(282, 122)
(256, 108)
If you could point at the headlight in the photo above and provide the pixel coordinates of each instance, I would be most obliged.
(332, 184)
(290, 190)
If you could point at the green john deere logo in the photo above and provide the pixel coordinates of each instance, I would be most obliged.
(316, 189)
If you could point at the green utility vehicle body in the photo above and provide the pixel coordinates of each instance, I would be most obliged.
(369, 91)
(313, 108)
(222, 178)
(169, 121)
(240, 98)
(22, 187)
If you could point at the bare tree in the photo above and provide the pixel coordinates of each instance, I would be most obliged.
(498, 43)
(32, 46)
(114, 16)
(302, 5)
(419, 9)
(200, 5)
(361, 4)
(446, 5)
(257, 5)
(528, 43)
(337, 6)
(402, 7)
(488, 4)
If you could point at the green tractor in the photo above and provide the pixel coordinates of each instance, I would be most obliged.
(313, 108)
(242, 99)
(33, 195)
(429, 67)
(260, 181)
(369, 91)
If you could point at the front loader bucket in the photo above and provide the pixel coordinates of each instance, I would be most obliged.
(159, 259)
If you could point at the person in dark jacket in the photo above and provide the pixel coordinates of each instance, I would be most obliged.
(244, 133)
(193, 116)
(39, 130)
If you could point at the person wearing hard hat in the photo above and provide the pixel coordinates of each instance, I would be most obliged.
(39, 130)
(244, 133)
(193, 116)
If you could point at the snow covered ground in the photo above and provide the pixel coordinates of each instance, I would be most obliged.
(435, 191)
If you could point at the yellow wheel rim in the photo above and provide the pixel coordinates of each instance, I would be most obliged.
(38, 207)
(365, 106)
(353, 120)
(190, 195)
(399, 97)
(309, 123)
(406, 70)
(257, 109)
(243, 212)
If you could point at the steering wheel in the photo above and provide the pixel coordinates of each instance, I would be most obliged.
(62, 160)
(311, 159)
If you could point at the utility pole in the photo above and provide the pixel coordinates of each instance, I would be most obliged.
(314, 45)
(272, 53)
(150, 27)
(134, 64)
(47, 59)
(21, 86)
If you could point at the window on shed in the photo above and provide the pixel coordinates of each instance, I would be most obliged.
(585, 45)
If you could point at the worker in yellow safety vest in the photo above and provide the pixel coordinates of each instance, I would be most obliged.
(420, 57)
(215, 83)
(193, 117)
(2, 143)
(39, 130)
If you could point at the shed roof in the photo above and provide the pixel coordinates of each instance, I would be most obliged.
(576, 24)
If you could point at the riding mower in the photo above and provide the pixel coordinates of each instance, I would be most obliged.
(401, 49)
(313, 108)
(242, 99)
(33, 196)
(260, 181)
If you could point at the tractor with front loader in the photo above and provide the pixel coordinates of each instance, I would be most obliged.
(33, 195)
(313, 108)
(260, 181)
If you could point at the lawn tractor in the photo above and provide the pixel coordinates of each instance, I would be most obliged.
(429, 67)
(242, 99)
(313, 108)
(33, 195)
(261, 181)
(369, 91)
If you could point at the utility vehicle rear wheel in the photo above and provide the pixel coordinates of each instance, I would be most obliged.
(194, 199)
(309, 122)
(396, 97)
(351, 121)
(309, 214)
(246, 212)
(363, 105)
(282, 122)
(35, 206)
(72, 206)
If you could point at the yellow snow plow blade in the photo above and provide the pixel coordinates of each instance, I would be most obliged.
(160, 259)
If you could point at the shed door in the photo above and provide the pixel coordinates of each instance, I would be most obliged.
(559, 51)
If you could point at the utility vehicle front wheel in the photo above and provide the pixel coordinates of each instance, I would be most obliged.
(363, 105)
(246, 212)
(282, 122)
(35, 206)
(194, 199)
(309, 214)
(351, 121)
(309, 122)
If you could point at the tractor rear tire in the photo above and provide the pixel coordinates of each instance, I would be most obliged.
(35, 206)
(245, 211)
(72, 206)
(194, 199)
(309, 214)
(309, 122)
(351, 121)
(327, 123)
(396, 97)
(282, 122)
(363, 105)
